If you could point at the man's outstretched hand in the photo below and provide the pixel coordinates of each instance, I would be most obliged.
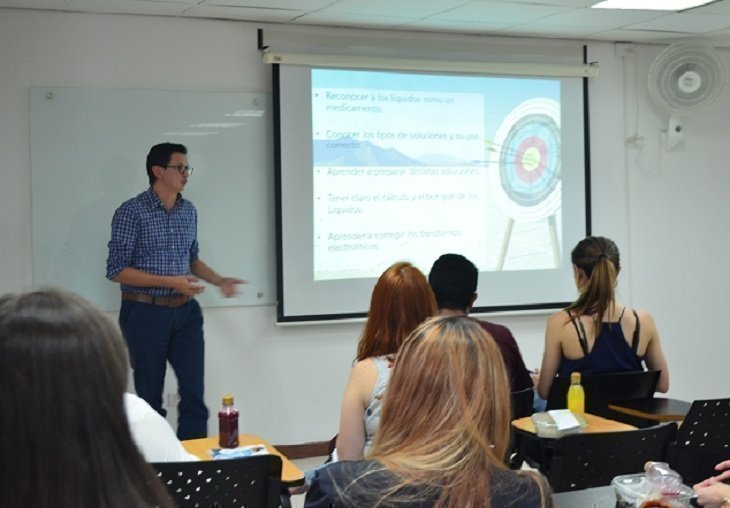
(229, 286)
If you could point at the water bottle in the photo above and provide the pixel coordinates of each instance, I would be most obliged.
(228, 424)
(576, 395)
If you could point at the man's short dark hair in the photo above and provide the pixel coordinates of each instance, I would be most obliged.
(160, 156)
(453, 279)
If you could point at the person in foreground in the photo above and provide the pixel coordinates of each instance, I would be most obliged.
(153, 255)
(152, 434)
(63, 428)
(596, 334)
(712, 492)
(401, 300)
(443, 432)
(453, 279)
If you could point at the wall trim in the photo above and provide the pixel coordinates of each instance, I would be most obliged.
(305, 450)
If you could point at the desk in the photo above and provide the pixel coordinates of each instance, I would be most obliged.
(543, 446)
(597, 497)
(595, 424)
(291, 475)
(656, 410)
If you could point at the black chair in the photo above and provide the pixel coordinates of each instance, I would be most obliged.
(703, 440)
(522, 405)
(582, 461)
(250, 481)
(601, 389)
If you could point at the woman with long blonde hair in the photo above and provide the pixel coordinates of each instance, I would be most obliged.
(596, 334)
(401, 300)
(443, 434)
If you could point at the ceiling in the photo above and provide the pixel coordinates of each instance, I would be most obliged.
(567, 19)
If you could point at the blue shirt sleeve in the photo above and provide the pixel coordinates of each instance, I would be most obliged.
(194, 248)
(122, 242)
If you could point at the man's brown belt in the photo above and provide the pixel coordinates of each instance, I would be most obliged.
(162, 301)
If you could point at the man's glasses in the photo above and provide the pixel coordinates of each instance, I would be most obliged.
(182, 168)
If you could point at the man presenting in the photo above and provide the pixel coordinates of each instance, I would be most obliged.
(153, 255)
(453, 279)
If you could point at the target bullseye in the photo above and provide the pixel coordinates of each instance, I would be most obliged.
(531, 159)
(527, 181)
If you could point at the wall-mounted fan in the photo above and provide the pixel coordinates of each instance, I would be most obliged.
(685, 78)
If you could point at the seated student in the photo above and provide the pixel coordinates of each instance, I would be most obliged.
(713, 493)
(443, 432)
(63, 428)
(596, 334)
(453, 279)
(401, 300)
(152, 433)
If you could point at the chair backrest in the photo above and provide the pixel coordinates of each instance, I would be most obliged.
(249, 481)
(522, 403)
(703, 440)
(601, 389)
(582, 461)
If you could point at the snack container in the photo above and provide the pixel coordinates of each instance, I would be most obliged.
(546, 427)
(633, 491)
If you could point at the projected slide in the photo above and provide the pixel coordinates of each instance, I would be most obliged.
(410, 166)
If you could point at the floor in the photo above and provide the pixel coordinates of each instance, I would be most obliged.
(304, 465)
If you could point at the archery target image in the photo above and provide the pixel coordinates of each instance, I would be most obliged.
(524, 174)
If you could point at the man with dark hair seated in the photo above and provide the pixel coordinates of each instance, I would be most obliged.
(453, 279)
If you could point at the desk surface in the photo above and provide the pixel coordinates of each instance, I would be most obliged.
(291, 475)
(656, 409)
(595, 424)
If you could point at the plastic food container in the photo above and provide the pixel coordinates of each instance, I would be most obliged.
(633, 491)
(546, 427)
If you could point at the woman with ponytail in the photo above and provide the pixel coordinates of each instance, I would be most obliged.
(596, 334)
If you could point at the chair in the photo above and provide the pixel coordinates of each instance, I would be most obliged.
(601, 389)
(522, 405)
(250, 481)
(581, 461)
(703, 440)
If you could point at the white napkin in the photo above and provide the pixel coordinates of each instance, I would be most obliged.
(564, 419)
(235, 453)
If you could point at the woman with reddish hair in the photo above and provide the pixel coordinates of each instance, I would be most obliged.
(401, 300)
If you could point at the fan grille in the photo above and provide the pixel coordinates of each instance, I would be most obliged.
(687, 77)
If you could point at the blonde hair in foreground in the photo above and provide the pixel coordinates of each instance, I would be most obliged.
(446, 415)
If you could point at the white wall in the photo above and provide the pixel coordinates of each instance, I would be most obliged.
(678, 232)
(288, 381)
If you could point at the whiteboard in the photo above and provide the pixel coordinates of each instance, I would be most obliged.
(88, 152)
